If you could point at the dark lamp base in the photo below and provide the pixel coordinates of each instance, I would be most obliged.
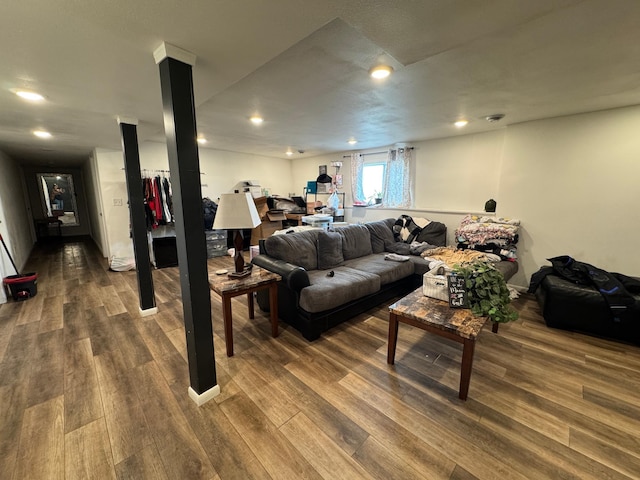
(236, 275)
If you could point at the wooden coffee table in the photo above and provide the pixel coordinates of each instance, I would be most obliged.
(435, 316)
(228, 288)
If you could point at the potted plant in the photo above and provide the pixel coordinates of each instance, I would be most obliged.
(377, 196)
(487, 291)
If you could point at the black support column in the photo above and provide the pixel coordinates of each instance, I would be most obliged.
(128, 131)
(176, 82)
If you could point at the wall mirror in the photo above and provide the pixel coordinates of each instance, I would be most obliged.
(58, 197)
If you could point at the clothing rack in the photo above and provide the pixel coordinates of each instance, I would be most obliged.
(147, 170)
(379, 153)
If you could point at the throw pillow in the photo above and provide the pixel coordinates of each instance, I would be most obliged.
(329, 250)
(381, 234)
(356, 241)
(434, 233)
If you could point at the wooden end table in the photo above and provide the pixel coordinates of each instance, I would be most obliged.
(435, 316)
(228, 288)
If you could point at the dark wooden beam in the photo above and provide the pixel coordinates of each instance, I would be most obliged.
(128, 131)
(180, 130)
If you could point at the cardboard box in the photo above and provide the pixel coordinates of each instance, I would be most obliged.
(261, 206)
(275, 215)
(311, 207)
(265, 230)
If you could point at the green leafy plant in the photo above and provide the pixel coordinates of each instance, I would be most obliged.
(376, 197)
(487, 291)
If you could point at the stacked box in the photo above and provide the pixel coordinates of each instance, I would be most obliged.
(216, 243)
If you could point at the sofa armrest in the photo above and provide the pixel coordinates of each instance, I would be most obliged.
(294, 276)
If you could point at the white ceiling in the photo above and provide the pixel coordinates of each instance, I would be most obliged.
(302, 65)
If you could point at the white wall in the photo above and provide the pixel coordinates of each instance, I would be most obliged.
(16, 220)
(572, 181)
(110, 166)
(220, 171)
(91, 176)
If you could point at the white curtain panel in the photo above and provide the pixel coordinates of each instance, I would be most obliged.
(357, 163)
(398, 180)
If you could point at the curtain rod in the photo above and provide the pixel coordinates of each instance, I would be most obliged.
(378, 153)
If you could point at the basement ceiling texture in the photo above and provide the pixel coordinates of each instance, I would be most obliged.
(303, 65)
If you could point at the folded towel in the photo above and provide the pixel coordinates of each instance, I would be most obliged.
(395, 257)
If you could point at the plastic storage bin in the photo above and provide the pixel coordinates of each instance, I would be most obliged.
(216, 243)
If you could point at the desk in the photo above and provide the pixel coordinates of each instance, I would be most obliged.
(435, 316)
(228, 288)
(43, 224)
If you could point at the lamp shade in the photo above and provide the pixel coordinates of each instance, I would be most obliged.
(236, 211)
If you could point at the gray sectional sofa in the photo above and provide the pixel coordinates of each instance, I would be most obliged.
(329, 277)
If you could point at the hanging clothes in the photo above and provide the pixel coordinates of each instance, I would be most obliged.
(158, 203)
(157, 200)
(166, 199)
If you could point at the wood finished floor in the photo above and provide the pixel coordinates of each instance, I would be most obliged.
(89, 389)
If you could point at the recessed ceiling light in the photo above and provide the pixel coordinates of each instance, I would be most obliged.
(461, 123)
(201, 140)
(288, 153)
(29, 95)
(352, 141)
(380, 71)
(256, 120)
(41, 134)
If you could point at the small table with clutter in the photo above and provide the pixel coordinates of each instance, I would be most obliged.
(323, 221)
(228, 288)
(435, 316)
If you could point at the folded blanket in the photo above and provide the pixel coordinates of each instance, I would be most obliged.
(480, 230)
(407, 228)
(395, 257)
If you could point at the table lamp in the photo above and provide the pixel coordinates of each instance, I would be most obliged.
(237, 211)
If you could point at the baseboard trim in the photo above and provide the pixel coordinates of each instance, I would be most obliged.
(148, 311)
(204, 397)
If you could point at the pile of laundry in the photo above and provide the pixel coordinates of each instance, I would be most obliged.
(497, 235)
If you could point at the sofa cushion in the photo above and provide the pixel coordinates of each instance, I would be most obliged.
(420, 265)
(329, 250)
(346, 284)
(381, 234)
(435, 233)
(296, 248)
(507, 268)
(356, 241)
(388, 271)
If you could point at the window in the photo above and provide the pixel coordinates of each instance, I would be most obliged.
(373, 179)
(392, 177)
